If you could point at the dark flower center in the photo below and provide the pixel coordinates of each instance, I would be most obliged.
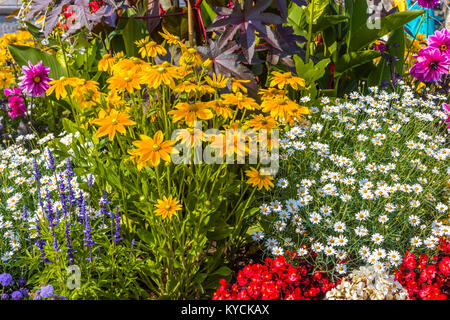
(433, 65)
(37, 79)
(443, 47)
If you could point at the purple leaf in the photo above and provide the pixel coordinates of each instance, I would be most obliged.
(225, 61)
(281, 5)
(153, 10)
(247, 20)
(84, 17)
(53, 16)
(38, 6)
(300, 3)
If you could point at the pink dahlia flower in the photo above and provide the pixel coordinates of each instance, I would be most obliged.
(12, 91)
(440, 40)
(431, 64)
(429, 4)
(17, 106)
(35, 79)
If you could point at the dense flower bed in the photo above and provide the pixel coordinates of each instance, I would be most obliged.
(277, 279)
(364, 182)
(426, 277)
(146, 154)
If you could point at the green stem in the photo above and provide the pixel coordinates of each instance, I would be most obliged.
(308, 45)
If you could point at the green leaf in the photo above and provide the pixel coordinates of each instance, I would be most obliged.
(358, 13)
(397, 48)
(364, 36)
(309, 71)
(146, 236)
(297, 19)
(354, 59)
(220, 233)
(397, 44)
(131, 33)
(35, 31)
(208, 13)
(223, 271)
(327, 21)
(113, 178)
(319, 9)
(176, 25)
(23, 54)
(172, 284)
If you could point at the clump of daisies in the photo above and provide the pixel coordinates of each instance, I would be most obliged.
(23, 202)
(362, 183)
(368, 283)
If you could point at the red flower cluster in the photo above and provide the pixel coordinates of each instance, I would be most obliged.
(71, 16)
(276, 280)
(95, 5)
(423, 280)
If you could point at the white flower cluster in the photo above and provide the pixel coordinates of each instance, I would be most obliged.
(362, 183)
(19, 188)
(366, 283)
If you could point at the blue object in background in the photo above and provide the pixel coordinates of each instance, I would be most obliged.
(428, 26)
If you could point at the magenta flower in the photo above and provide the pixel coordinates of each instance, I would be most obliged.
(429, 4)
(431, 64)
(12, 91)
(447, 112)
(380, 47)
(35, 79)
(441, 41)
(17, 107)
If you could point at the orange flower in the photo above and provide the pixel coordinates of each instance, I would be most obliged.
(114, 122)
(167, 207)
(149, 48)
(259, 179)
(220, 108)
(190, 112)
(163, 73)
(261, 122)
(125, 80)
(280, 108)
(280, 80)
(237, 85)
(240, 101)
(150, 151)
(217, 81)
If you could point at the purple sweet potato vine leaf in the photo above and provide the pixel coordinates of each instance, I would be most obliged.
(248, 20)
(222, 53)
(83, 15)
